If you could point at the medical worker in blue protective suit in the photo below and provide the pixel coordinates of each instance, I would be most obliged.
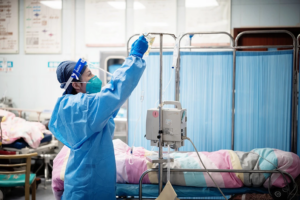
(85, 123)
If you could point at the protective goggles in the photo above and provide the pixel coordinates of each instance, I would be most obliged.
(76, 72)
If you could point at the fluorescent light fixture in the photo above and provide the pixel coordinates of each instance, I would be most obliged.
(138, 6)
(157, 24)
(53, 4)
(200, 3)
(120, 5)
(107, 24)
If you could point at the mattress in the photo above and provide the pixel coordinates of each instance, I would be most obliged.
(151, 190)
(20, 143)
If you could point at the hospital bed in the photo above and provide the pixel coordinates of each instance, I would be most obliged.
(146, 191)
(45, 150)
(48, 143)
(149, 191)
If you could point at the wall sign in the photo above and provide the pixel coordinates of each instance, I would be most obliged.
(42, 26)
(9, 26)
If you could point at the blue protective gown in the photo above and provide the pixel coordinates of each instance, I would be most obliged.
(85, 124)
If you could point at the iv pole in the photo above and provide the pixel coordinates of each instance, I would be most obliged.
(160, 159)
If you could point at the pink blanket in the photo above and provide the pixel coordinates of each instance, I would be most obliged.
(14, 128)
(131, 166)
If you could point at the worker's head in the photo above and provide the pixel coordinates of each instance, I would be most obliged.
(87, 83)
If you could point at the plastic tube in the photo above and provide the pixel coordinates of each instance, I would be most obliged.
(100, 69)
(176, 52)
(142, 99)
(136, 124)
(183, 137)
(131, 149)
(166, 86)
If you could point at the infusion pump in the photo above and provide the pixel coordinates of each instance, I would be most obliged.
(173, 125)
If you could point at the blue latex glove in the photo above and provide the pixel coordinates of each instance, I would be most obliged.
(139, 47)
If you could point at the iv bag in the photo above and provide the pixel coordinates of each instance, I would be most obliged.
(150, 40)
(176, 52)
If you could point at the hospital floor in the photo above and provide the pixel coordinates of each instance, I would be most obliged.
(41, 193)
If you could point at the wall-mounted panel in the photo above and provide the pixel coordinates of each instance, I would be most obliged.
(9, 26)
(42, 26)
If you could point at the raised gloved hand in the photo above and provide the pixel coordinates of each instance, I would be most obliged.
(139, 47)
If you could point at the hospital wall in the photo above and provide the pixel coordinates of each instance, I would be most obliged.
(264, 13)
(32, 86)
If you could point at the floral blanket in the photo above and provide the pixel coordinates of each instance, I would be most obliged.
(14, 128)
(131, 166)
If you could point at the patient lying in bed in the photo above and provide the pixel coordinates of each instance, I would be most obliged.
(130, 167)
(14, 128)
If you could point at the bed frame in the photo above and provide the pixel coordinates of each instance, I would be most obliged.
(234, 47)
(45, 151)
(226, 191)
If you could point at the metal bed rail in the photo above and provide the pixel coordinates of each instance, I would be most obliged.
(20, 110)
(209, 170)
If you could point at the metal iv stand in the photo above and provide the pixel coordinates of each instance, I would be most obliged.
(160, 159)
(160, 132)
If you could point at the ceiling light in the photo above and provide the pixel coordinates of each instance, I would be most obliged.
(138, 6)
(200, 3)
(160, 24)
(120, 5)
(108, 24)
(53, 4)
